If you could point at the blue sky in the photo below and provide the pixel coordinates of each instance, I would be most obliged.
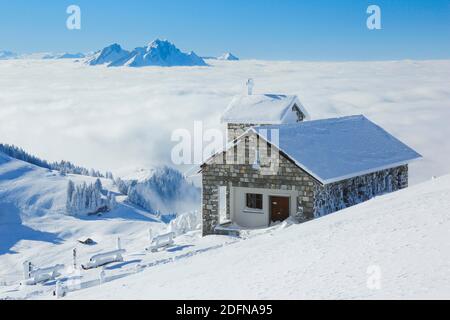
(262, 29)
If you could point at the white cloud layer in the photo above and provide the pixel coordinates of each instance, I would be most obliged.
(109, 118)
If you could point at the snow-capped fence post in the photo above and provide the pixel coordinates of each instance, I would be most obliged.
(37, 275)
(27, 268)
(74, 256)
(60, 290)
(119, 245)
(150, 236)
(138, 268)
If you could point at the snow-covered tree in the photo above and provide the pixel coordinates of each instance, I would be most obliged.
(87, 199)
(98, 185)
(166, 192)
(109, 175)
(112, 203)
(70, 191)
(65, 167)
(122, 186)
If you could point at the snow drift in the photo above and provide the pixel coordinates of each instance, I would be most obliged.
(28, 190)
(186, 222)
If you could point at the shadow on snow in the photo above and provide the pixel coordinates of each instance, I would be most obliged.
(12, 231)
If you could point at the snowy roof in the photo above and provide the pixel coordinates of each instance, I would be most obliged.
(261, 109)
(336, 149)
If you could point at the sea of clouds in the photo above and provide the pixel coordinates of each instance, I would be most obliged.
(111, 118)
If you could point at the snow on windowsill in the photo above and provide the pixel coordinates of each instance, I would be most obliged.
(249, 210)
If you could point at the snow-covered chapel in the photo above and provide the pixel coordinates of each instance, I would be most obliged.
(279, 164)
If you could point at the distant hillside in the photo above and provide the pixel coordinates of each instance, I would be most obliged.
(62, 166)
(162, 190)
(67, 55)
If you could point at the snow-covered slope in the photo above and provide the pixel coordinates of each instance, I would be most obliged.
(108, 55)
(7, 55)
(32, 190)
(34, 224)
(395, 247)
(228, 56)
(159, 53)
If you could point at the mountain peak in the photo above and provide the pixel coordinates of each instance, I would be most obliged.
(114, 47)
(160, 42)
(159, 53)
(108, 55)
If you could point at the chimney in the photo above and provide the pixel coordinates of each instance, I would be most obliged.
(250, 85)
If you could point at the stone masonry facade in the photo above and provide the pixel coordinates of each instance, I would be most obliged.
(235, 168)
(235, 130)
(346, 193)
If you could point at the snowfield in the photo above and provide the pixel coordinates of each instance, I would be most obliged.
(403, 237)
(33, 223)
(110, 118)
(404, 234)
(394, 246)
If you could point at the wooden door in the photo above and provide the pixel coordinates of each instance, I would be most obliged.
(279, 208)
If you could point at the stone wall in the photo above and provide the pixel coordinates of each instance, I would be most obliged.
(235, 168)
(346, 193)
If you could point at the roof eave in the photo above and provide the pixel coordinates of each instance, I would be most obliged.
(365, 172)
(308, 171)
(340, 178)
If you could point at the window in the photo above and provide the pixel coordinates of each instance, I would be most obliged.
(254, 201)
